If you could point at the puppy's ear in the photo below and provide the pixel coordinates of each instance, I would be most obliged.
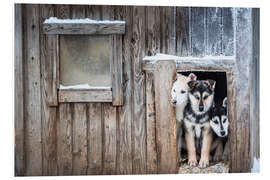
(192, 84)
(180, 76)
(212, 83)
(224, 104)
(192, 77)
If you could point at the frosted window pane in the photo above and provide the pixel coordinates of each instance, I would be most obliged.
(85, 60)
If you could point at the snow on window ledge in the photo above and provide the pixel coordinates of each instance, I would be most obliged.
(54, 20)
(84, 87)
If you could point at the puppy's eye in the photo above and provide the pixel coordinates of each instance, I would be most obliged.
(215, 121)
(205, 97)
(197, 97)
(182, 92)
(174, 90)
(224, 120)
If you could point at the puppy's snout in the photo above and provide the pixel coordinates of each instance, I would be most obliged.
(173, 101)
(222, 133)
(201, 108)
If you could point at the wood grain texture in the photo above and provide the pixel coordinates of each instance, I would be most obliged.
(33, 130)
(80, 28)
(213, 31)
(94, 139)
(125, 112)
(116, 70)
(48, 95)
(64, 139)
(85, 96)
(228, 41)
(167, 23)
(198, 31)
(153, 31)
(164, 74)
(19, 92)
(109, 148)
(79, 139)
(151, 124)
(182, 31)
(240, 152)
(138, 124)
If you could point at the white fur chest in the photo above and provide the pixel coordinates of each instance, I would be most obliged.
(190, 126)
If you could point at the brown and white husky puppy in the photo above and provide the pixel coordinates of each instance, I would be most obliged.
(179, 99)
(197, 114)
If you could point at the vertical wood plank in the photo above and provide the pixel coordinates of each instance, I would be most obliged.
(19, 92)
(164, 73)
(168, 38)
(64, 123)
(93, 12)
(182, 31)
(94, 139)
(125, 112)
(240, 153)
(109, 148)
(78, 11)
(64, 139)
(214, 31)
(152, 31)
(151, 125)
(138, 125)
(228, 32)
(198, 31)
(48, 95)
(33, 131)
(79, 139)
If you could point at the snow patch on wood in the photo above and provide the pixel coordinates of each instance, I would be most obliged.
(54, 20)
(256, 166)
(84, 86)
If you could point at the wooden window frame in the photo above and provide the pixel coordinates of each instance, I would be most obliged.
(114, 29)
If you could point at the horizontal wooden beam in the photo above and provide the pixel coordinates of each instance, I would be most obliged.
(84, 28)
(193, 63)
(84, 95)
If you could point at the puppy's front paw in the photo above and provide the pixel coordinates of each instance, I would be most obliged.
(217, 156)
(204, 162)
(192, 161)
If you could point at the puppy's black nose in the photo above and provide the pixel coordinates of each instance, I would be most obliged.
(222, 133)
(201, 108)
(174, 102)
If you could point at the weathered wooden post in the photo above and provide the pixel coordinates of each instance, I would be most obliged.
(167, 157)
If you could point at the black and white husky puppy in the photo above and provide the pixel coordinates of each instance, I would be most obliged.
(197, 114)
(220, 126)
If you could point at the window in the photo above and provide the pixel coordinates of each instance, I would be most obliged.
(88, 59)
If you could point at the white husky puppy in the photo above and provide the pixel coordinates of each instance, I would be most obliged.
(179, 99)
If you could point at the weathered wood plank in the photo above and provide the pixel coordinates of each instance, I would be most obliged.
(228, 32)
(151, 125)
(63, 11)
(48, 95)
(93, 12)
(94, 139)
(198, 31)
(138, 124)
(193, 64)
(153, 31)
(33, 139)
(83, 28)
(240, 152)
(109, 148)
(182, 31)
(19, 92)
(213, 31)
(85, 96)
(77, 11)
(79, 130)
(125, 112)
(64, 139)
(164, 73)
(168, 38)
(116, 70)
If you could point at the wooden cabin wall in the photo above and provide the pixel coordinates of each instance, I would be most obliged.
(98, 138)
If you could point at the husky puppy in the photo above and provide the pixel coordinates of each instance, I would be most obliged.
(197, 114)
(179, 99)
(220, 125)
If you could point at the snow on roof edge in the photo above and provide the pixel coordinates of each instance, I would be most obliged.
(55, 20)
